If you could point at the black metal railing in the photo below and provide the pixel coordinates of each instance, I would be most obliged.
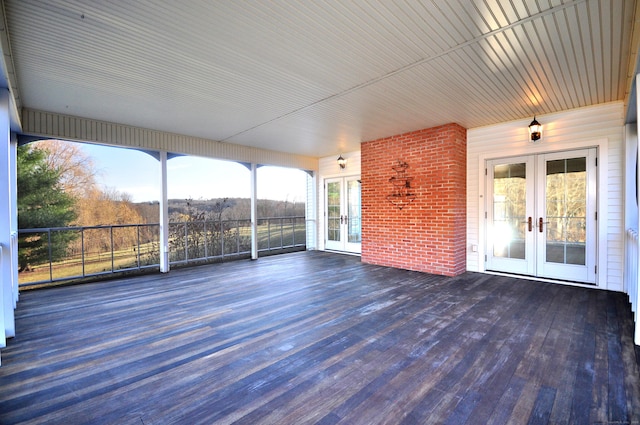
(71, 253)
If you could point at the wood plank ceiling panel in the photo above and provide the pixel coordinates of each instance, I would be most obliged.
(317, 78)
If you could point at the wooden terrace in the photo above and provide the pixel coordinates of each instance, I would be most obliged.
(315, 337)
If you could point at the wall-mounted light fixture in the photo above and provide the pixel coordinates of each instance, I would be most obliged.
(535, 130)
(342, 162)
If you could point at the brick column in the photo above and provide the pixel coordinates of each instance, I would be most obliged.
(429, 233)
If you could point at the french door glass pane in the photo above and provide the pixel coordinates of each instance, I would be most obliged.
(333, 211)
(509, 210)
(566, 211)
(353, 210)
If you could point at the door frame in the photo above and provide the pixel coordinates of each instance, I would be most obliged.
(347, 247)
(544, 147)
(534, 263)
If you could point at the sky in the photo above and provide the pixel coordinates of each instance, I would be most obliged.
(189, 177)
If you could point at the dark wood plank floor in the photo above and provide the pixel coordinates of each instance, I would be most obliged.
(320, 338)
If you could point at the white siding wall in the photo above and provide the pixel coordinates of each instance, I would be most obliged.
(328, 168)
(601, 126)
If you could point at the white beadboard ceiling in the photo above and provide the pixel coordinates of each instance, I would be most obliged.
(316, 78)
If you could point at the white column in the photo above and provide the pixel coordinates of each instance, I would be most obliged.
(164, 215)
(7, 322)
(312, 211)
(637, 224)
(13, 212)
(254, 211)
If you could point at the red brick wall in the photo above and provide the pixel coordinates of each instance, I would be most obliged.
(428, 234)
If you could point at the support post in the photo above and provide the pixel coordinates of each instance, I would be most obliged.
(636, 337)
(254, 211)
(13, 178)
(311, 213)
(7, 188)
(164, 215)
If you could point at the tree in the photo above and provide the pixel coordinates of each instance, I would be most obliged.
(76, 168)
(104, 208)
(42, 203)
(188, 232)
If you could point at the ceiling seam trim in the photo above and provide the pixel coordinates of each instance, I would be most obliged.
(412, 65)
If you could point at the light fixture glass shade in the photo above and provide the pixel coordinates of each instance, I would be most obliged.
(342, 162)
(535, 130)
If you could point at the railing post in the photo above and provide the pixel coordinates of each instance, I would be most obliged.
(112, 253)
(138, 245)
(186, 241)
(281, 232)
(51, 255)
(14, 260)
(237, 236)
(204, 229)
(81, 252)
(221, 239)
(269, 234)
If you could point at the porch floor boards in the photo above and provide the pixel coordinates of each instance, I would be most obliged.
(316, 337)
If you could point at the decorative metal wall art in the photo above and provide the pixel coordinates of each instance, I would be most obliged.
(401, 182)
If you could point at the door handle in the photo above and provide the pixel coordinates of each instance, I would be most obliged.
(541, 223)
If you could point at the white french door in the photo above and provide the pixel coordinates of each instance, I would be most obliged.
(342, 214)
(541, 215)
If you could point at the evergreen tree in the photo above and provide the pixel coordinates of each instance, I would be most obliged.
(42, 203)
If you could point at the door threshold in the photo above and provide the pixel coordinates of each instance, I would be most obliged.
(545, 279)
(334, 251)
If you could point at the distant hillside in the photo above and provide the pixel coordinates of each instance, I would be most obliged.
(221, 208)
